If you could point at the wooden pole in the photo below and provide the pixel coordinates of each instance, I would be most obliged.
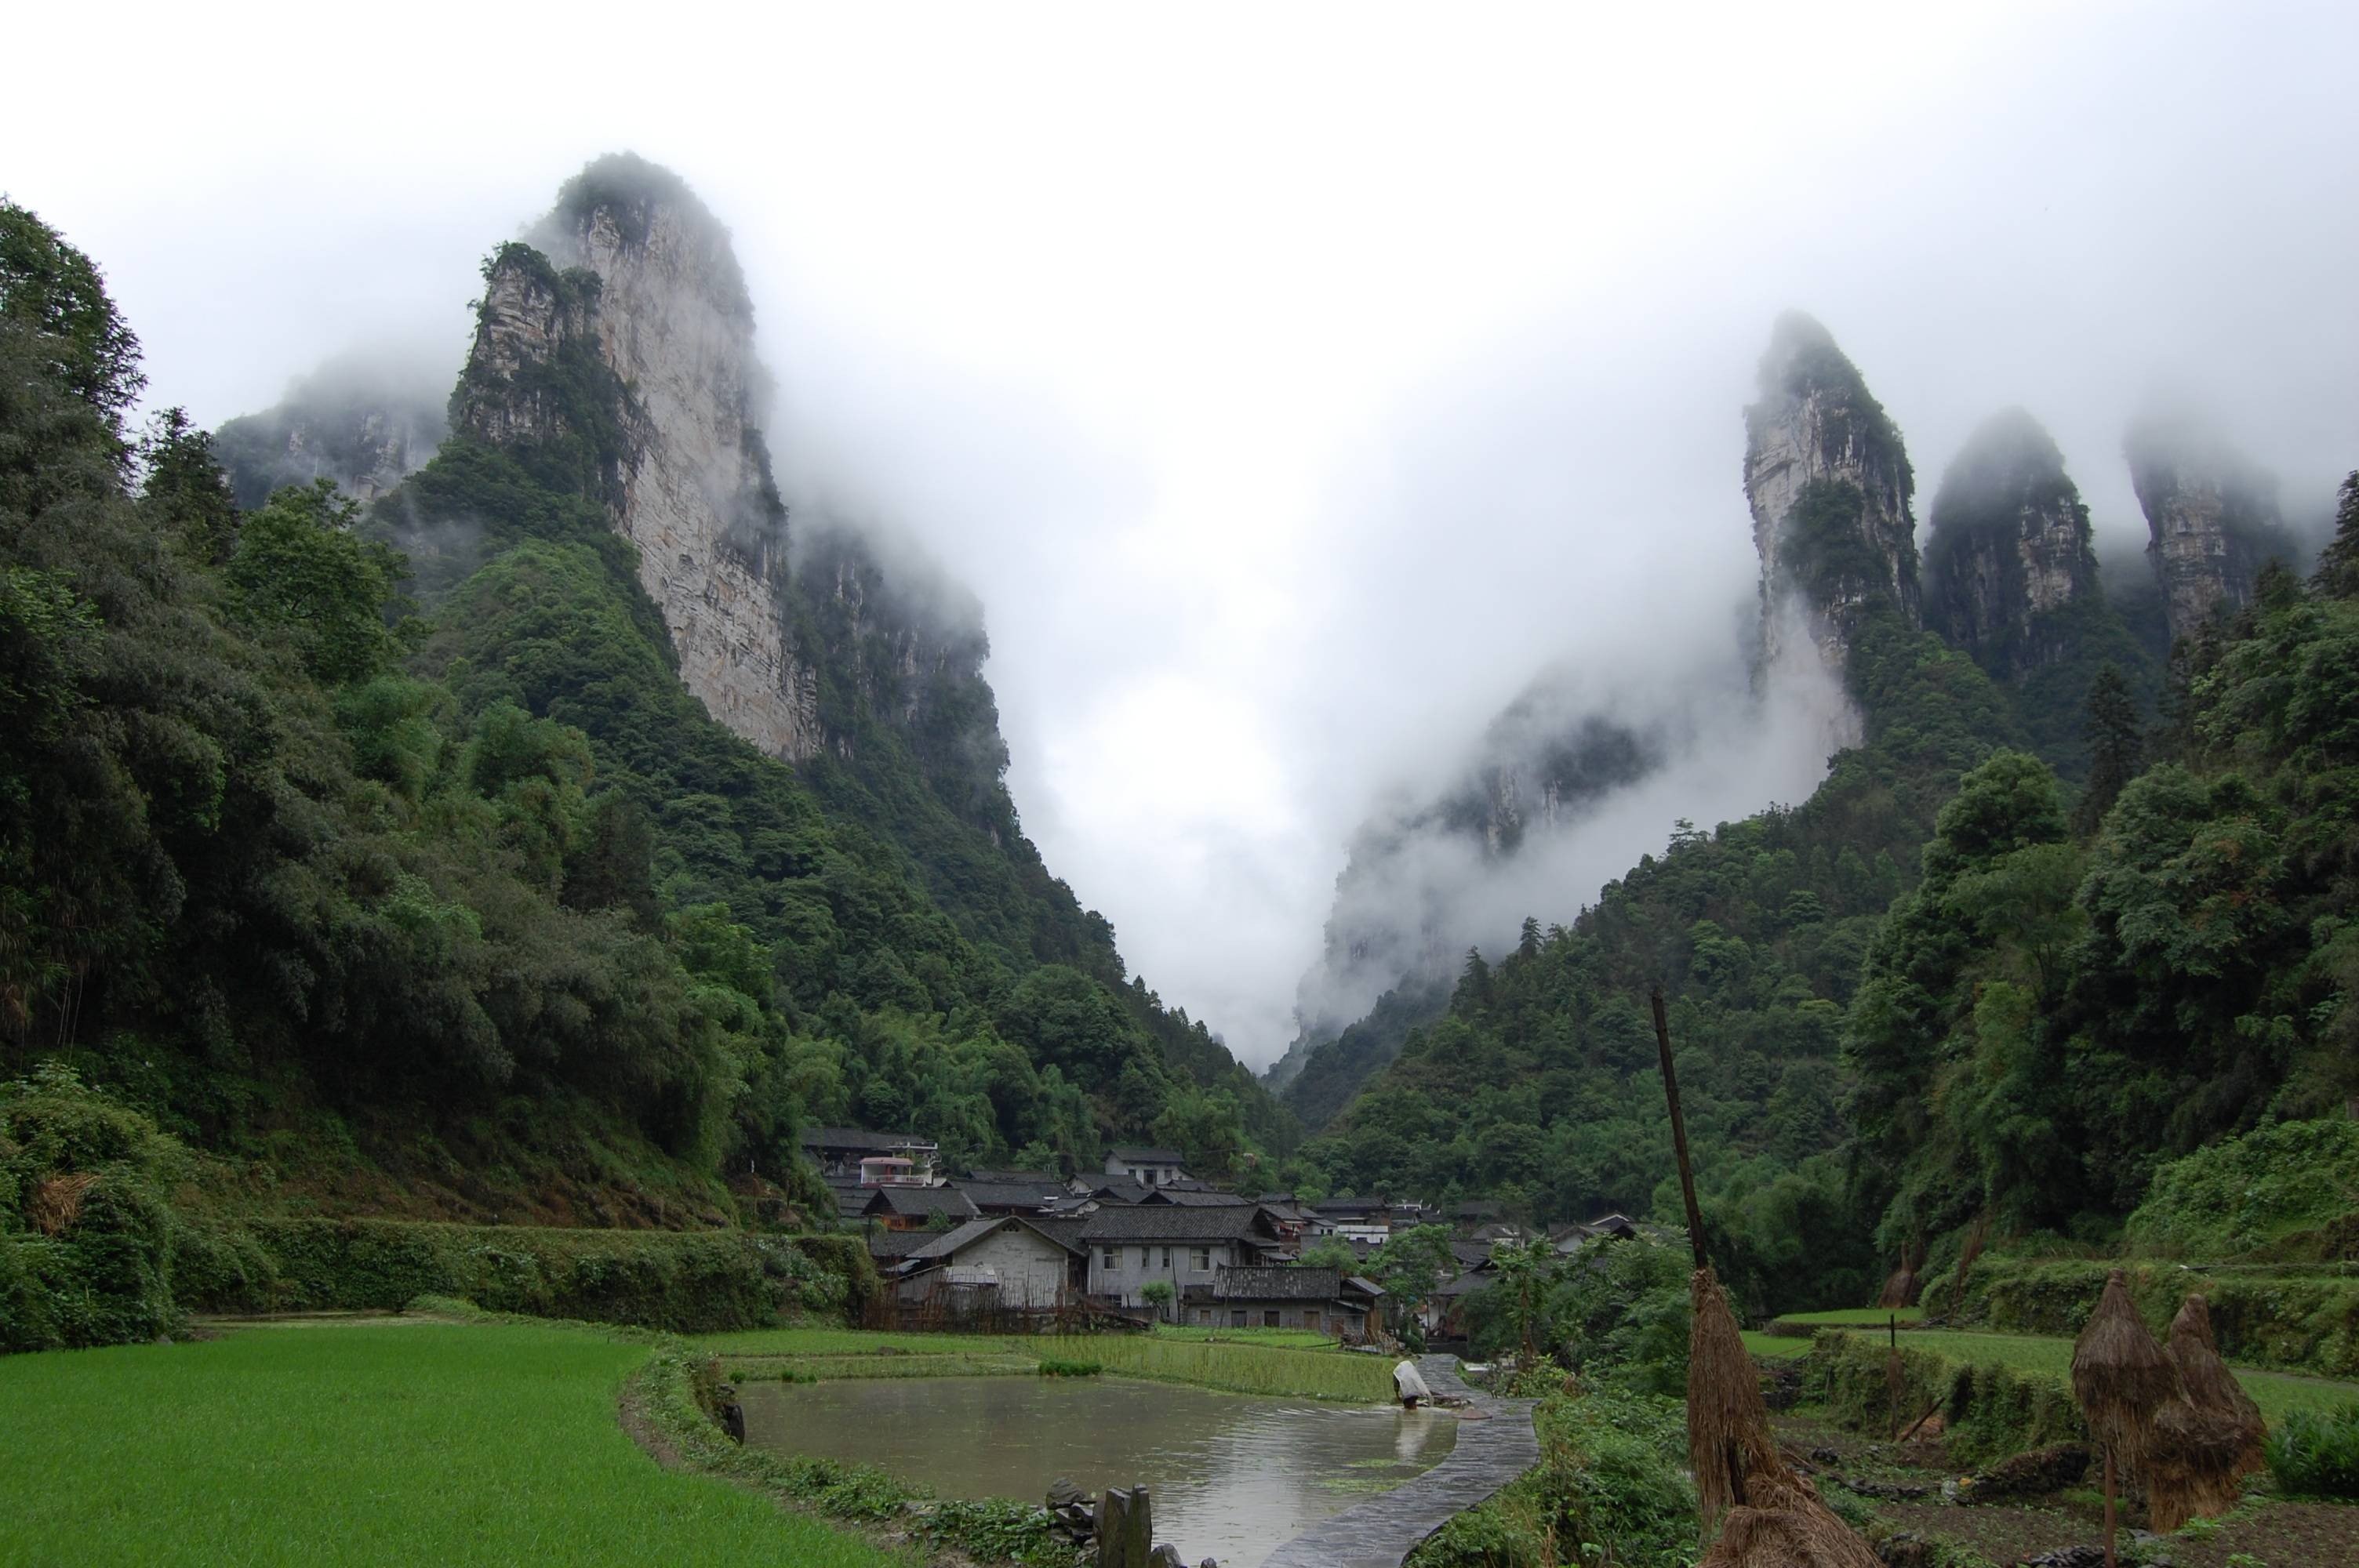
(1678, 1132)
(2110, 1561)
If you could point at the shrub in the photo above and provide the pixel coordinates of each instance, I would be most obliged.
(1052, 1368)
(2315, 1454)
(688, 1281)
(2292, 1316)
(2285, 1192)
(1990, 1409)
(86, 1236)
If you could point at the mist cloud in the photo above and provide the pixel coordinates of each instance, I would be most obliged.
(1290, 400)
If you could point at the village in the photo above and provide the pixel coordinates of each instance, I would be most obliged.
(1143, 1241)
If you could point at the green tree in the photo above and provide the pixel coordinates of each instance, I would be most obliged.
(185, 485)
(1411, 1265)
(2338, 564)
(301, 573)
(2112, 728)
(55, 291)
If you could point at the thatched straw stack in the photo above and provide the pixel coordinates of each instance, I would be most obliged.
(2207, 1440)
(1786, 1526)
(1773, 1517)
(2120, 1375)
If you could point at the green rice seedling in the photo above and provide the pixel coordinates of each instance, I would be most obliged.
(467, 1445)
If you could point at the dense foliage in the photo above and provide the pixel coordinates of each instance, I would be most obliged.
(467, 899)
(1921, 1006)
(2315, 1454)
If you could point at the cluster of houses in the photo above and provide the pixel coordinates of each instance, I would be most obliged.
(1141, 1236)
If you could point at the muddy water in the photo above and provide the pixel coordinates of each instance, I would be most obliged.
(1232, 1475)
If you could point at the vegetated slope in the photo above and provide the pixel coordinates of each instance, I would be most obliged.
(1400, 913)
(478, 911)
(1925, 1003)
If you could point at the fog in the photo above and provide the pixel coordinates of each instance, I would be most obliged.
(1293, 387)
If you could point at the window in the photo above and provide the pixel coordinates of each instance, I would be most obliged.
(1237, 1318)
(1201, 1259)
(1167, 1260)
(1204, 1315)
(1269, 1319)
(1111, 1259)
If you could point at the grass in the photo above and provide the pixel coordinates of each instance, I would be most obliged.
(488, 1444)
(1854, 1317)
(852, 1342)
(2277, 1393)
(1240, 1369)
(1289, 1338)
(1776, 1346)
(1313, 1369)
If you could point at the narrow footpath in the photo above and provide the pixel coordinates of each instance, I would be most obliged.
(1383, 1531)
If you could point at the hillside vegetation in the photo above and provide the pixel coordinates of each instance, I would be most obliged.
(435, 894)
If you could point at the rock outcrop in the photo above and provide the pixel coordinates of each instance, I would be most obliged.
(2211, 516)
(365, 422)
(2009, 552)
(620, 345)
(1829, 484)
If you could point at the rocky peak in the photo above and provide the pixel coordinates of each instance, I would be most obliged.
(617, 347)
(2010, 547)
(364, 420)
(1829, 484)
(2211, 515)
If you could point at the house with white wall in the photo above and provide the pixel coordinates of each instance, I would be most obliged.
(1001, 1260)
(1131, 1245)
(1148, 1167)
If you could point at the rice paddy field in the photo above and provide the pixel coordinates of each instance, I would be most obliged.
(1313, 1369)
(2277, 1393)
(477, 1445)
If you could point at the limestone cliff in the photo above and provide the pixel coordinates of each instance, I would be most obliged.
(2009, 552)
(2211, 516)
(365, 421)
(1829, 484)
(619, 346)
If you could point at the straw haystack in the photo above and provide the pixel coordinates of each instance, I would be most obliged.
(1728, 1423)
(1773, 1517)
(2209, 1438)
(2121, 1377)
(1786, 1526)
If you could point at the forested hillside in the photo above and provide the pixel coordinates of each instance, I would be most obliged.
(1951, 994)
(435, 889)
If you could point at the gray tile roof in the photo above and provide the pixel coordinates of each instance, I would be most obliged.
(948, 1243)
(894, 1245)
(1010, 1194)
(927, 1201)
(1179, 1222)
(1191, 1199)
(1277, 1283)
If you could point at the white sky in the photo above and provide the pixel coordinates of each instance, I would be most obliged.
(1290, 383)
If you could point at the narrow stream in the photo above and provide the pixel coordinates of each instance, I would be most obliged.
(1234, 1475)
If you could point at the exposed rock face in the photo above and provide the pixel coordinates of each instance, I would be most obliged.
(1829, 484)
(2211, 516)
(365, 423)
(641, 351)
(2010, 547)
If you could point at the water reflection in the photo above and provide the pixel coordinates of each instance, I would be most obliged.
(1234, 1475)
